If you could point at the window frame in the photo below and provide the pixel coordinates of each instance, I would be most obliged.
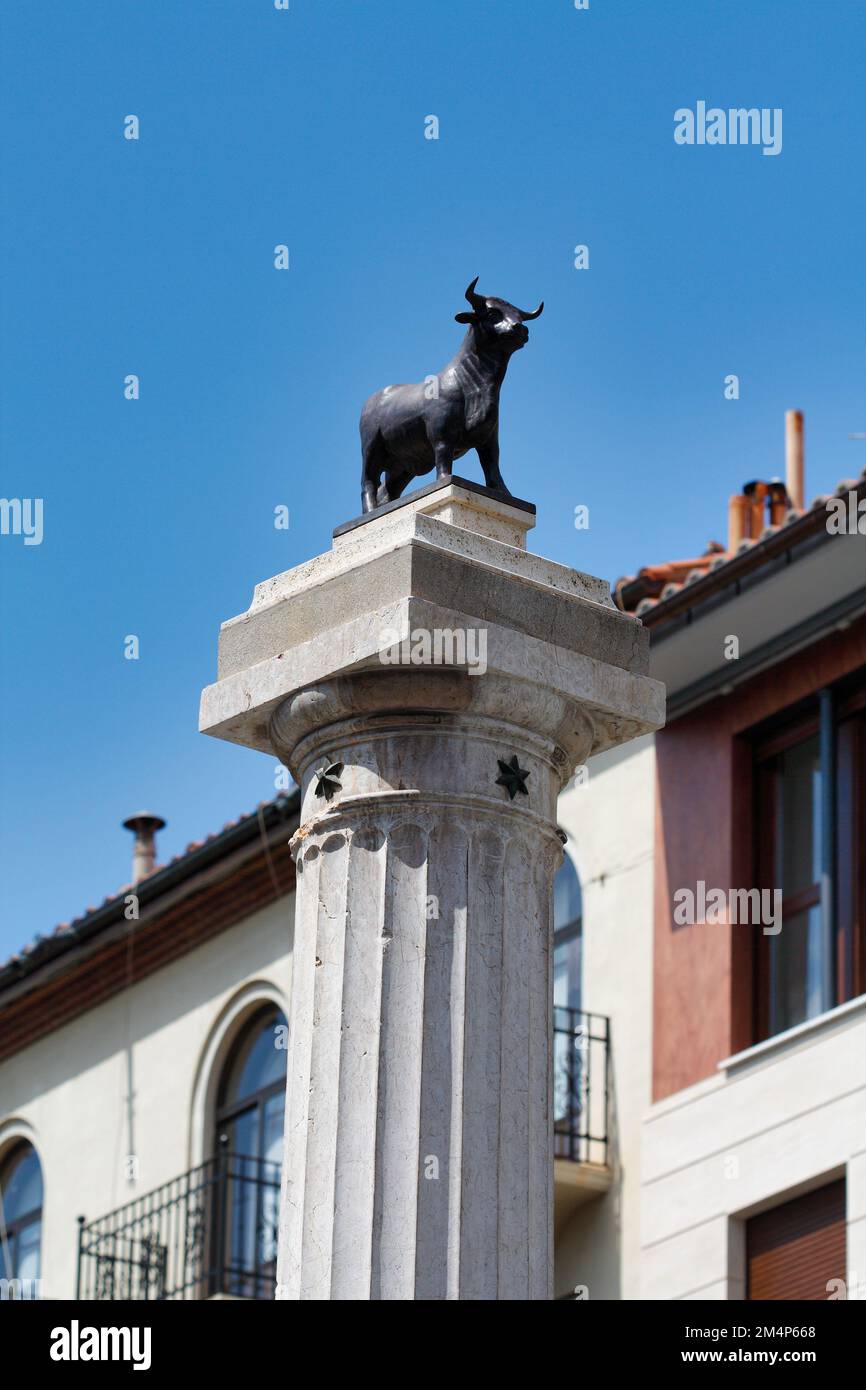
(16, 1154)
(837, 714)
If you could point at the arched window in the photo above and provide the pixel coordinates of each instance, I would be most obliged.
(567, 915)
(21, 1213)
(250, 1106)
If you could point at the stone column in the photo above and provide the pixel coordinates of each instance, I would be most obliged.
(431, 686)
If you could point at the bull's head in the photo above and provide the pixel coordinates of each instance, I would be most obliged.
(497, 322)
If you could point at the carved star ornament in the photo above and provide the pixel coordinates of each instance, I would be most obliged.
(328, 779)
(512, 777)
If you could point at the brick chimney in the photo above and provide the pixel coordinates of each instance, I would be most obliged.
(761, 503)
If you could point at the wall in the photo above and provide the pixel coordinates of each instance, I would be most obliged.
(609, 822)
(66, 1091)
(788, 1115)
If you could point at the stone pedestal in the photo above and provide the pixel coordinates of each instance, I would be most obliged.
(431, 685)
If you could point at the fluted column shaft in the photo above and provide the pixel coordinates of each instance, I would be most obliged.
(418, 1160)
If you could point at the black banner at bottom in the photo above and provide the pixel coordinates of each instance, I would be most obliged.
(261, 1338)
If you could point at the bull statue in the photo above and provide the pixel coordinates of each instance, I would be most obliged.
(407, 430)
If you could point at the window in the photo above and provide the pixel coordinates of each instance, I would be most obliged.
(811, 795)
(21, 1213)
(250, 1107)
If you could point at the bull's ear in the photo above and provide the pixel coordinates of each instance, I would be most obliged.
(466, 318)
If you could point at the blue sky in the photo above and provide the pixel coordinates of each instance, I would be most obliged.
(306, 127)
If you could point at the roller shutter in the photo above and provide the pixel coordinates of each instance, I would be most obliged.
(794, 1250)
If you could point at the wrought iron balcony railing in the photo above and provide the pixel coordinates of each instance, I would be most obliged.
(581, 1085)
(211, 1231)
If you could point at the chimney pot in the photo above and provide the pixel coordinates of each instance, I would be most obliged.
(795, 458)
(144, 825)
(738, 506)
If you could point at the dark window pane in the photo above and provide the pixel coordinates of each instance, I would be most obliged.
(566, 973)
(243, 1133)
(259, 1062)
(272, 1149)
(798, 829)
(567, 904)
(27, 1251)
(797, 970)
(22, 1186)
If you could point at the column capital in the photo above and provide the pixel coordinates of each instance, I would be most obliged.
(439, 732)
(412, 595)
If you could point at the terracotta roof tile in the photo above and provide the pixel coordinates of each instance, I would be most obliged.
(652, 585)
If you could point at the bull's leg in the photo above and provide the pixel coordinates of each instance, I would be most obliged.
(488, 455)
(393, 486)
(371, 471)
(443, 455)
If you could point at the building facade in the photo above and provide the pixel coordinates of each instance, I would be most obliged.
(753, 1163)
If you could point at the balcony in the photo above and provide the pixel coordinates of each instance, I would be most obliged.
(581, 1108)
(211, 1233)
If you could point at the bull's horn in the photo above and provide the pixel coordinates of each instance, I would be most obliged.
(527, 317)
(476, 300)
